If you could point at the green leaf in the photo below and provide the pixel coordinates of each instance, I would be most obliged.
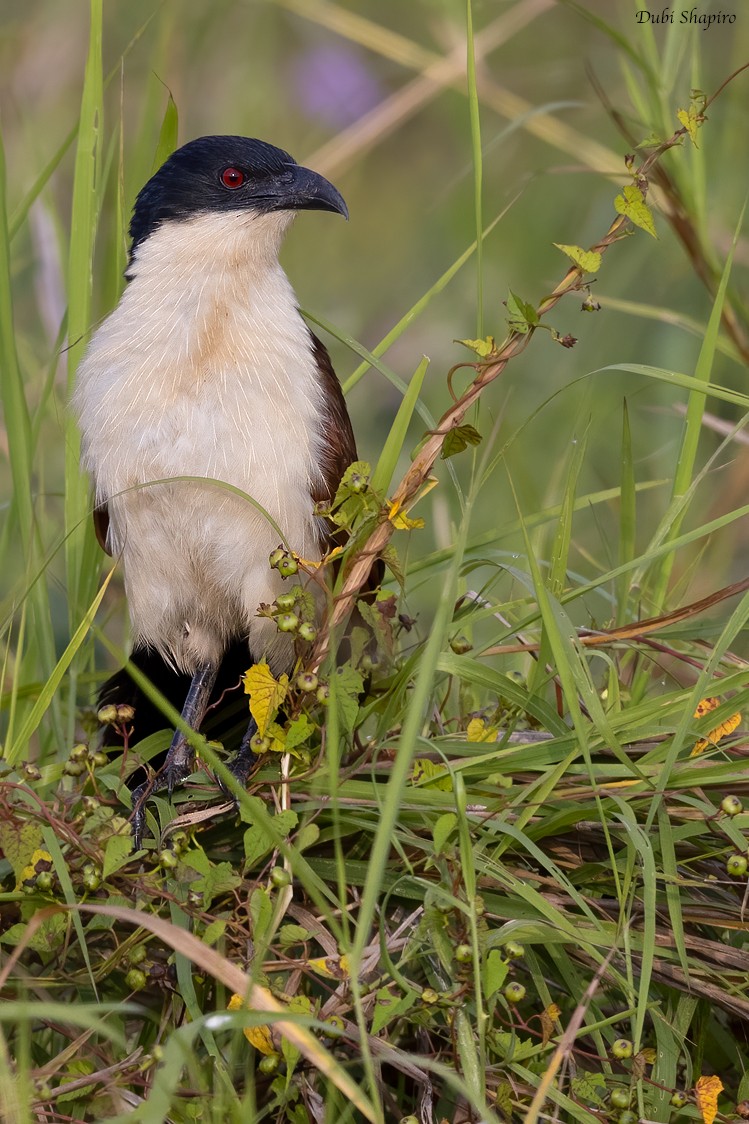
(213, 932)
(590, 1088)
(298, 732)
(459, 439)
(261, 912)
(495, 973)
(483, 348)
(588, 260)
(522, 315)
(348, 687)
(442, 830)
(389, 1007)
(431, 774)
(631, 203)
(214, 879)
(117, 852)
(167, 141)
(289, 935)
(258, 844)
(307, 836)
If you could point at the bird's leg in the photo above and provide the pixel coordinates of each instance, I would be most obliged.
(243, 761)
(179, 758)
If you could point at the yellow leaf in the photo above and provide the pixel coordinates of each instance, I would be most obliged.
(400, 520)
(257, 1036)
(40, 861)
(587, 260)
(266, 694)
(707, 1090)
(704, 706)
(332, 967)
(720, 731)
(478, 731)
(548, 1017)
(631, 203)
(691, 119)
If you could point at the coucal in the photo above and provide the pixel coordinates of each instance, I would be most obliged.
(206, 375)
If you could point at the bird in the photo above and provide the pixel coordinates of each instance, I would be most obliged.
(211, 419)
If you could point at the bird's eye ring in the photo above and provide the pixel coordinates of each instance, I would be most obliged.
(232, 178)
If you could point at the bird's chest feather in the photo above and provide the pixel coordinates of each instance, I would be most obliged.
(213, 378)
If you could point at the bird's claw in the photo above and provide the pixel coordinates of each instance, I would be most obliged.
(176, 767)
(240, 766)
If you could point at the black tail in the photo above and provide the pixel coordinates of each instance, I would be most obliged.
(226, 722)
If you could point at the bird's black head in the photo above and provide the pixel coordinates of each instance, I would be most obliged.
(223, 174)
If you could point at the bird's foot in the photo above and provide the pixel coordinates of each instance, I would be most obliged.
(240, 765)
(177, 766)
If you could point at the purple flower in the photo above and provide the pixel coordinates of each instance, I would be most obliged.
(335, 85)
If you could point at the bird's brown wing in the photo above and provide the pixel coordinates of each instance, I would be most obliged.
(101, 526)
(339, 443)
(339, 452)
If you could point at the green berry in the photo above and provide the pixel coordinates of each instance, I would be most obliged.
(275, 557)
(268, 1064)
(307, 632)
(622, 1049)
(136, 980)
(307, 681)
(107, 715)
(336, 1025)
(79, 752)
(178, 842)
(286, 601)
(731, 805)
(627, 1117)
(136, 955)
(288, 566)
(429, 995)
(287, 622)
(514, 951)
(125, 713)
(73, 768)
(514, 992)
(464, 954)
(91, 880)
(167, 859)
(370, 661)
(737, 866)
(460, 645)
(409, 1120)
(679, 1098)
(619, 1098)
(323, 694)
(280, 877)
(44, 881)
(259, 743)
(99, 759)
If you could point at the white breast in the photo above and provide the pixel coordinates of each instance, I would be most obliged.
(206, 373)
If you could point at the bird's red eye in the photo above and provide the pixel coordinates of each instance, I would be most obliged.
(232, 178)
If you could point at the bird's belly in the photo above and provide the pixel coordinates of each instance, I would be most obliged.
(196, 549)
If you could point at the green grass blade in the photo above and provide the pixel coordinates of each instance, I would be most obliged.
(396, 438)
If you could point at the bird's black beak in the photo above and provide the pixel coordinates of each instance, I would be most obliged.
(300, 189)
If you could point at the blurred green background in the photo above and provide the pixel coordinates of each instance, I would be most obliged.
(361, 92)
